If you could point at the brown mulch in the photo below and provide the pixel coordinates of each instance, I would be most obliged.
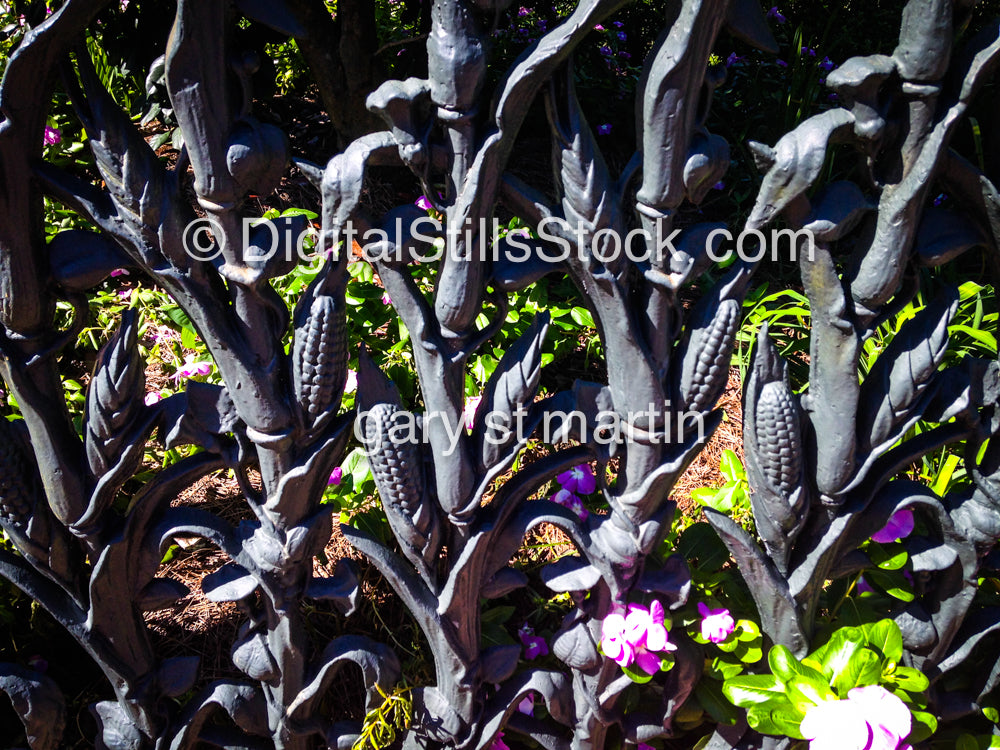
(704, 470)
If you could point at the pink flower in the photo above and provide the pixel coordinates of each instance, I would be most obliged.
(469, 413)
(336, 477)
(636, 635)
(534, 645)
(119, 272)
(716, 624)
(498, 743)
(899, 527)
(598, 27)
(192, 369)
(614, 644)
(871, 718)
(352, 382)
(567, 499)
(152, 398)
(423, 203)
(52, 136)
(644, 746)
(527, 706)
(579, 479)
(386, 299)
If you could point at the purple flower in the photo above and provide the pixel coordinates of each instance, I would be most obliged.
(720, 185)
(605, 50)
(624, 55)
(423, 203)
(622, 36)
(827, 64)
(733, 59)
(598, 27)
(191, 369)
(781, 63)
(498, 743)
(567, 499)
(832, 97)
(776, 14)
(871, 718)
(119, 272)
(527, 706)
(151, 398)
(522, 11)
(863, 587)
(578, 479)
(542, 24)
(716, 624)
(899, 527)
(52, 136)
(617, 24)
(336, 477)
(534, 645)
(644, 746)
(811, 52)
(940, 199)
(604, 129)
(636, 635)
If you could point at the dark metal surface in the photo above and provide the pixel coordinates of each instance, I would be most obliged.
(823, 465)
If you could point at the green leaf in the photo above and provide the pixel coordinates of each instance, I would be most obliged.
(582, 316)
(888, 557)
(753, 689)
(356, 464)
(893, 583)
(924, 725)
(300, 212)
(836, 654)
(966, 742)
(863, 668)
(731, 467)
(703, 495)
(988, 711)
(885, 637)
(189, 339)
(747, 630)
(781, 720)
(722, 500)
(913, 680)
(709, 695)
(724, 669)
(805, 692)
(638, 676)
(783, 663)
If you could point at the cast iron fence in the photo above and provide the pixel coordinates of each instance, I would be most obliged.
(824, 464)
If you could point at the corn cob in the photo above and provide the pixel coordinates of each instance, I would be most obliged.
(705, 363)
(779, 442)
(319, 357)
(15, 491)
(398, 472)
(111, 402)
